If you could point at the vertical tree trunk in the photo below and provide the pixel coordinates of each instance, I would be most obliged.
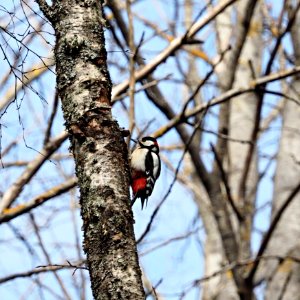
(234, 71)
(241, 125)
(214, 253)
(98, 148)
(283, 277)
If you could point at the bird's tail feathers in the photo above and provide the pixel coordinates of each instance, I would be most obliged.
(133, 200)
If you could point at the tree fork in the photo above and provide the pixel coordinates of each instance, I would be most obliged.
(98, 147)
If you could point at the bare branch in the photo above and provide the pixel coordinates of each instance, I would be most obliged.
(225, 97)
(21, 209)
(240, 217)
(13, 192)
(41, 269)
(51, 119)
(248, 262)
(174, 45)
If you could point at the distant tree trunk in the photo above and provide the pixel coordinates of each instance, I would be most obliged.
(283, 277)
(214, 251)
(98, 147)
(237, 119)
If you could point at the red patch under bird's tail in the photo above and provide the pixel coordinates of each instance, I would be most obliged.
(138, 187)
(139, 184)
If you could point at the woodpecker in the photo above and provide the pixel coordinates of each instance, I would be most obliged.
(145, 168)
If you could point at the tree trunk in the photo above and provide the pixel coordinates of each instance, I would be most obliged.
(283, 276)
(98, 147)
(241, 111)
(242, 120)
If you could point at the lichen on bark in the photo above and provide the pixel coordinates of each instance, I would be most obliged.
(98, 147)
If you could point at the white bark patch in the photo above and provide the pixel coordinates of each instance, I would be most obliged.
(104, 176)
(119, 273)
(90, 73)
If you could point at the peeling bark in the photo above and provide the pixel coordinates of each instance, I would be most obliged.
(98, 147)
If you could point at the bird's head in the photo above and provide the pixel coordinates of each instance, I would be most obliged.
(149, 143)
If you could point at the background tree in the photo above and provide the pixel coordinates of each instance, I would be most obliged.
(217, 83)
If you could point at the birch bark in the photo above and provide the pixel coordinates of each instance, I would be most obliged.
(98, 147)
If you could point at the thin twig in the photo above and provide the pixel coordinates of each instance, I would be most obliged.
(51, 119)
(40, 269)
